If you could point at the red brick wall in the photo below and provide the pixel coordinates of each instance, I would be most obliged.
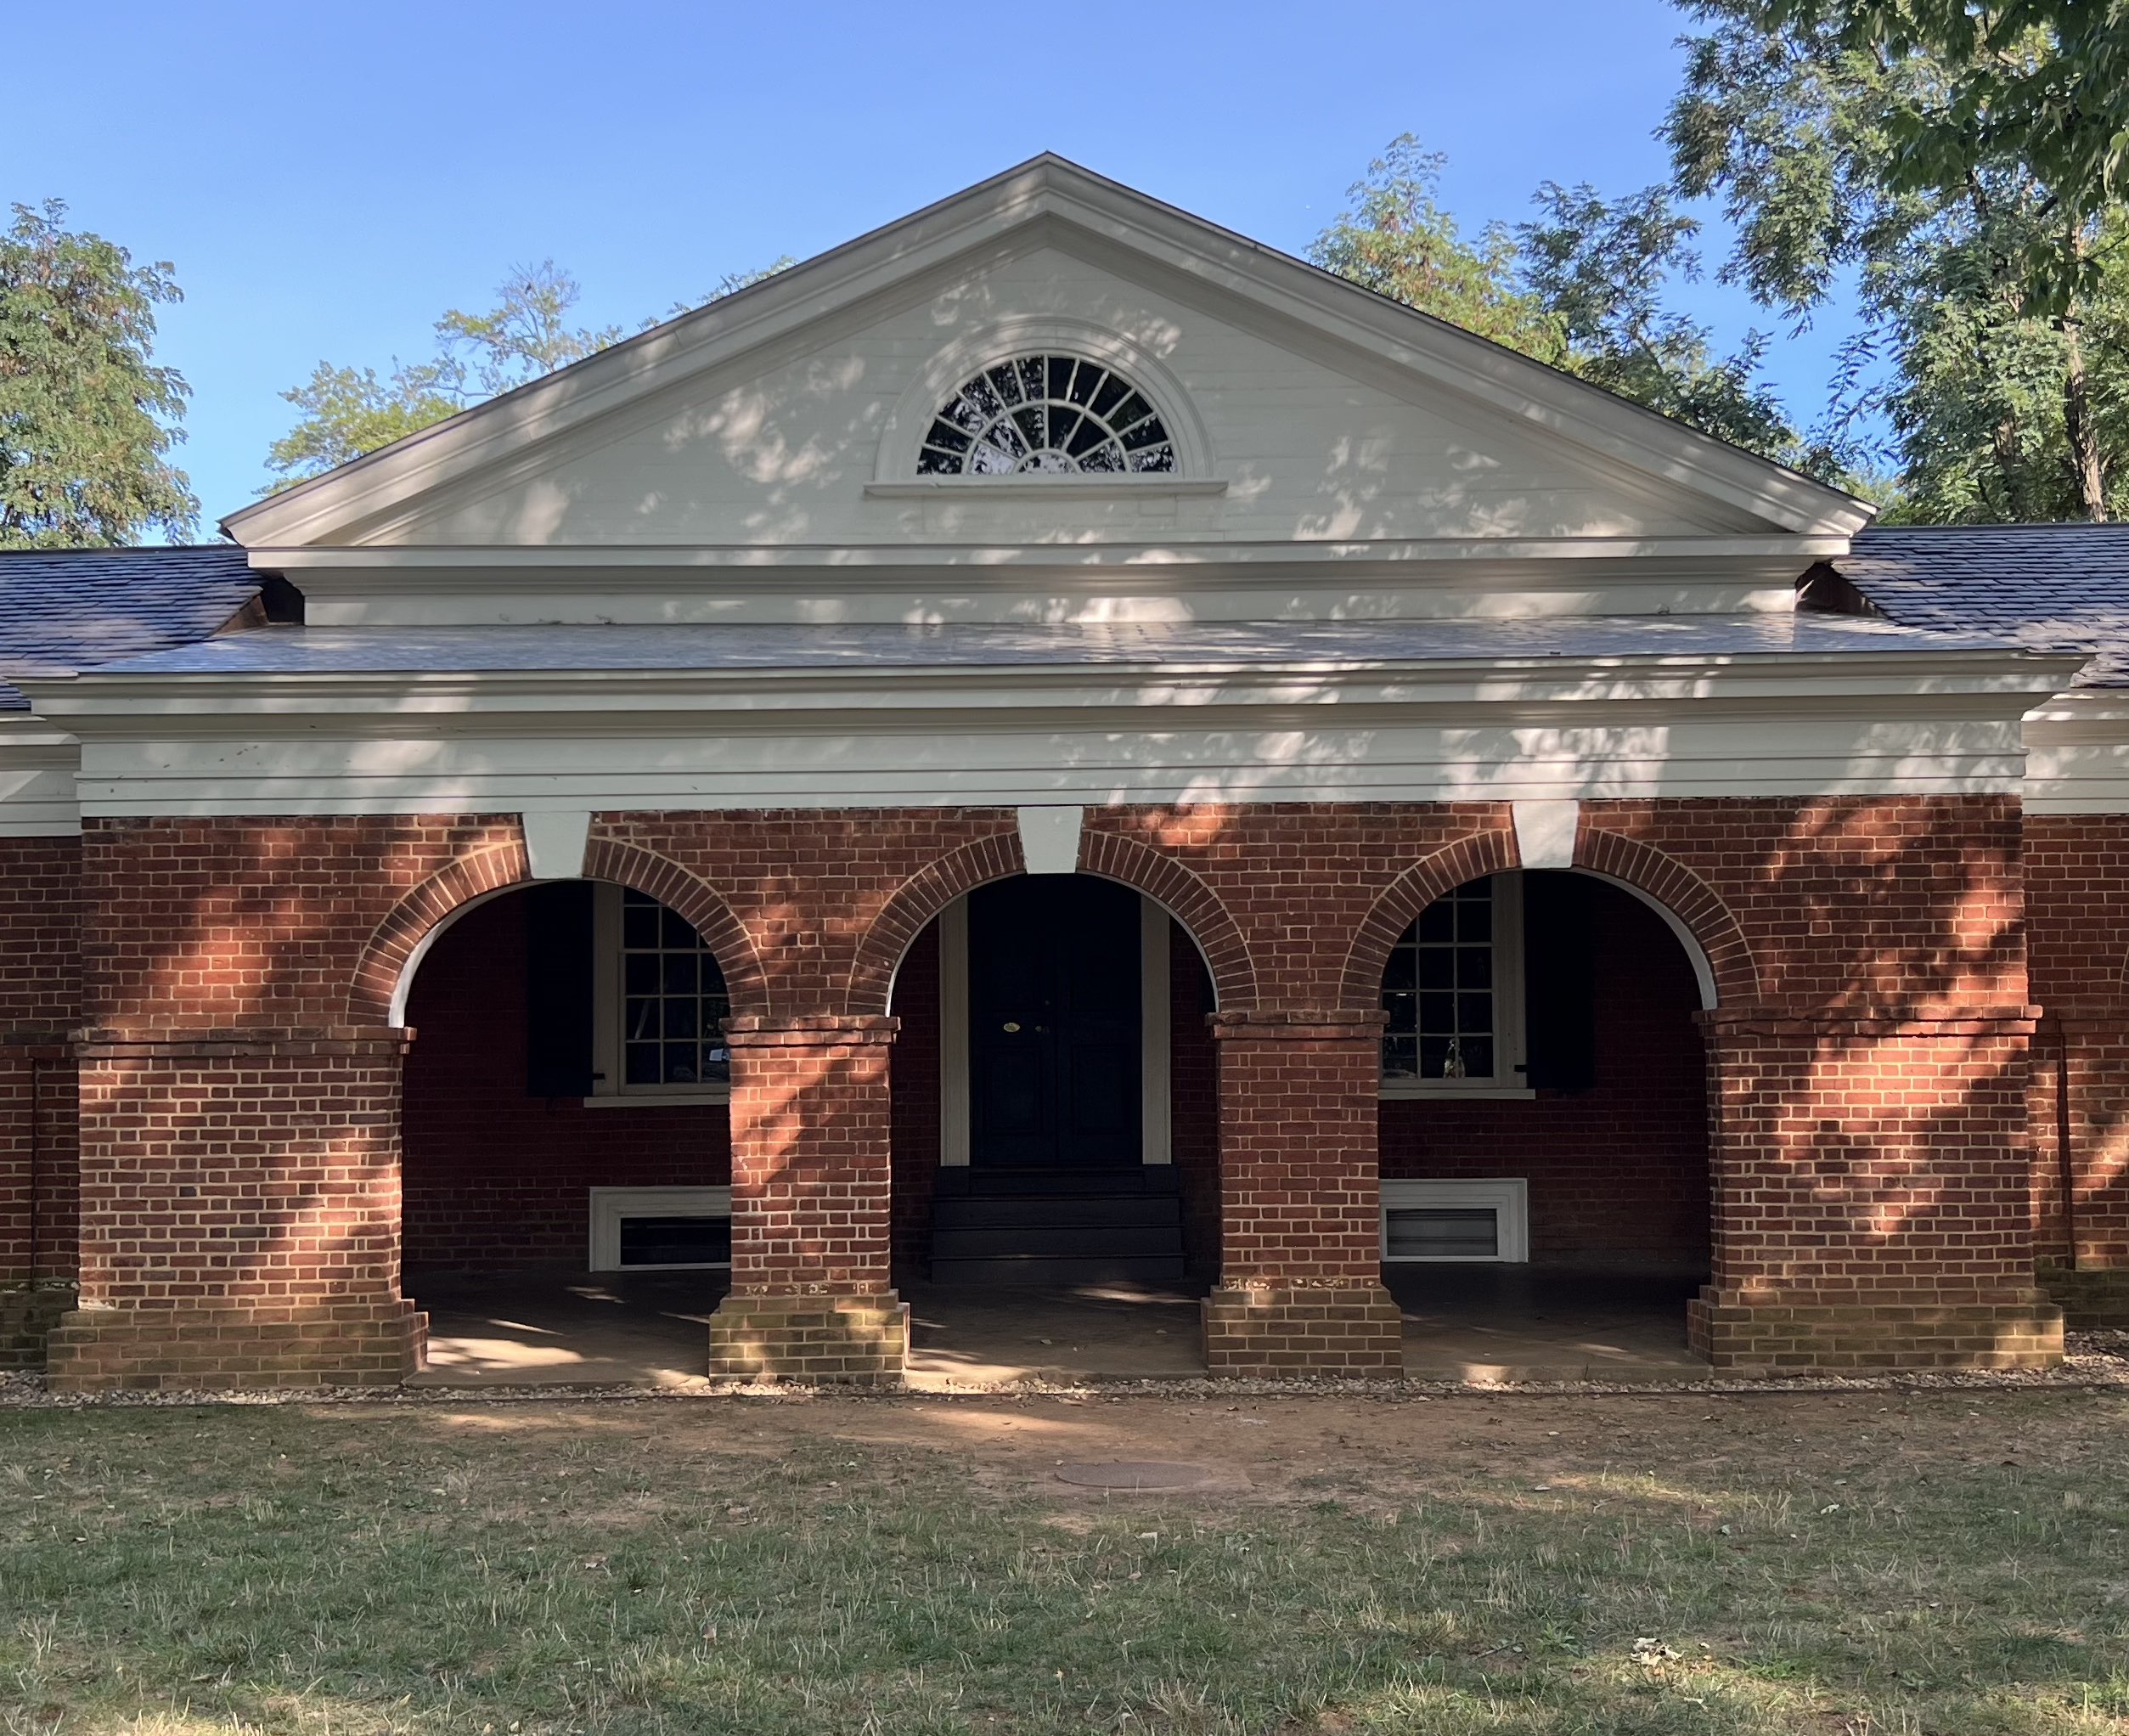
(813, 1128)
(2077, 894)
(239, 1172)
(1193, 1104)
(1884, 1158)
(1849, 906)
(39, 1003)
(496, 1179)
(1620, 1168)
(1298, 1200)
(1856, 903)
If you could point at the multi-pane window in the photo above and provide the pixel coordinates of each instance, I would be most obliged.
(673, 1001)
(1046, 415)
(1452, 991)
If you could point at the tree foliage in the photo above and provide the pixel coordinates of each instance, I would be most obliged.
(1948, 161)
(1580, 288)
(348, 412)
(1398, 241)
(87, 418)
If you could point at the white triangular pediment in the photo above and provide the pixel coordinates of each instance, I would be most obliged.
(1306, 412)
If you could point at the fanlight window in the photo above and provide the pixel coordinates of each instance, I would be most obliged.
(1046, 415)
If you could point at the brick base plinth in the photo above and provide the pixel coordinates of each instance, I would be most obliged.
(2090, 1301)
(1354, 1332)
(102, 1349)
(861, 1339)
(2008, 1331)
(28, 1312)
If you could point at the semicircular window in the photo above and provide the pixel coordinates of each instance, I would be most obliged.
(1046, 415)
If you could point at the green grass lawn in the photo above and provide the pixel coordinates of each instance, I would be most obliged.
(1780, 1564)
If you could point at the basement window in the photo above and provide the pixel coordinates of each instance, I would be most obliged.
(1452, 1221)
(1453, 994)
(660, 1229)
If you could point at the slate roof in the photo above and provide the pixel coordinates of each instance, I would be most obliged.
(363, 651)
(2052, 587)
(69, 609)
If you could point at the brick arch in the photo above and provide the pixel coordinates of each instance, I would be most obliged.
(1402, 900)
(1685, 900)
(399, 940)
(1113, 857)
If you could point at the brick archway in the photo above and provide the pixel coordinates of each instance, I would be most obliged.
(399, 941)
(1692, 907)
(1401, 903)
(1161, 879)
(1682, 897)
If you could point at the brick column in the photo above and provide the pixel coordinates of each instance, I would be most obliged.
(1873, 1195)
(36, 1191)
(2081, 1084)
(813, 1294)
(1300, 1288)
(239, 1207)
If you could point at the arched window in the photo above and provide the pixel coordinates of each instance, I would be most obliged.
(1048, 416)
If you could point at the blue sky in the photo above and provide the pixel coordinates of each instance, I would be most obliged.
(327, 179)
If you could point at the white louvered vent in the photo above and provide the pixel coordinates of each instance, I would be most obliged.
(1456, 1220)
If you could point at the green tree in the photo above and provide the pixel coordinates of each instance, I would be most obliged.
(87, 419)
(348, 412)
(1602, 268)
(1581, 289)
(1397, 240)
(1895, 147)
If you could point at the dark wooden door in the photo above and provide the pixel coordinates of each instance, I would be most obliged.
(1053, 1022)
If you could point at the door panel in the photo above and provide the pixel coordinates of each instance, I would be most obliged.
(1053, 1013)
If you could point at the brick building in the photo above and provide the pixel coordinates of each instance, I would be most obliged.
(1055, 706)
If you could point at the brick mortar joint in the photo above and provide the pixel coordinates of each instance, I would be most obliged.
(811, 1031)
(1791, 1021)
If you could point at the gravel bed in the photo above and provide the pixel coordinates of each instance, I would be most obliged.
(2094, 1360)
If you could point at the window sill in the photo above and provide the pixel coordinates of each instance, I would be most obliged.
(1409, 1090)
(1113, 488)
(658, 1100)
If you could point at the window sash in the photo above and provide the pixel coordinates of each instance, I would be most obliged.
(650, 1009)
(1452, 984)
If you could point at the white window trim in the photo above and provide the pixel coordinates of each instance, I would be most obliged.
(1511, 1034)
(1509, 1195)
(608, 1090)
(610, 1205)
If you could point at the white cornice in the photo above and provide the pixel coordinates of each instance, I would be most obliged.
(1062, 197)
(1971, 684)
(1790, 554)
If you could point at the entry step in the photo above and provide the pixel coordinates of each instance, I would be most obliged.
(1057, 1226)
(997, 1183)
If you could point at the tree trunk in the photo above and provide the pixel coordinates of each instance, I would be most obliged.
(2078, 424)
(2077, 418)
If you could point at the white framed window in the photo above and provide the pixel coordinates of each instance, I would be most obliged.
(1453, 994)
(1456, 1221)
(660, 1006)
(660, 1229)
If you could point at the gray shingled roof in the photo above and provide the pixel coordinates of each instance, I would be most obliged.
(361, 650)
(67, 609)
(2050, 587)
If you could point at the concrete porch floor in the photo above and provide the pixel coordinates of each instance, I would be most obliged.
(1482, 1323)
(1545, 1322)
